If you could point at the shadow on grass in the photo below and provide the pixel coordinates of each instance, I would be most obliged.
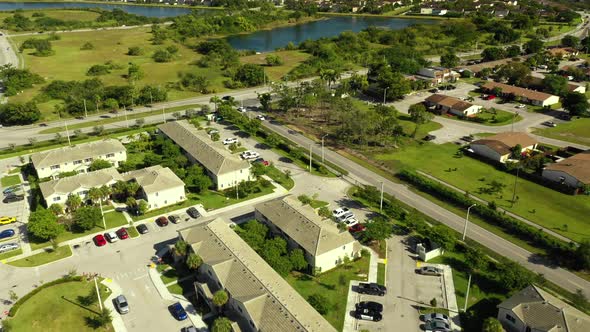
(79, 305)
(472, 320)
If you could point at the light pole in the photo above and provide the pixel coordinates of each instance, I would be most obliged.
(85, 110)
(163, 115)
(67, 132)
(467, 295)
(104, 223)
(384, 95)
(514, 117)
(323, 147)
(515, 181)
(310, 158)
(98, 294)
(381, 202)
(467, 221)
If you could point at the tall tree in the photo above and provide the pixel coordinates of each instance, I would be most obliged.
(43, 225)
(575, 103)
(193, 261)
(87, 217)
(449, 60)
(220, 298)
(221, 324)
(420, 116)
(491, 324)
(73, 202)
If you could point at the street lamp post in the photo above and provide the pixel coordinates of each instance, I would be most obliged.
(381, 202)
(323, 147)
(310, 157)
(98, 294)
(384, 95)
(104, 223)
(467, 221)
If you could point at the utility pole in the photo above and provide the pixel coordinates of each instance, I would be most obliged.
(163, 115)
(381, 202)
(467, 295)
(98, 294)
(310, 146)
(125, 111)
(67, 133)
(85, 110)
(104, 223)
(466, 222)
(384, 95)
(515, 181)
(323, 147)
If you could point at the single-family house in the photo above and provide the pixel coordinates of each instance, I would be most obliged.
(433, 11)
(537, 83)
(452, 105)
(573, 171)
(259, 298)
(524, 95)
(563, 52)
(77, 158)
(325, 246)
(535, 310)
(225, 169)
(499, 147)
(571, 87)
(438, 74)
(57, 191)
(159, 186)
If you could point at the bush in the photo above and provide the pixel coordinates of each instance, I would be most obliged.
(23, 299)
(134, 51)
(319, 302)
(162, 56)
(98, 70)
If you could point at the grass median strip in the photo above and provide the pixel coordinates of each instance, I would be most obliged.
(48, 256)
(10, 180)
(381, 273)
(11, 253)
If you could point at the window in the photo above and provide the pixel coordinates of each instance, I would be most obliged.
(110, 155)
(156, 194)
(56, 199)
(510, 318)
(83, 193)
(55, 167)
(240, 309)
(88, 160)
(251, 323)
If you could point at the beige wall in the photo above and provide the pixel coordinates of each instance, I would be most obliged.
(517, 326)
(550, 101)
(332, 258)
(166, 197)
(229, 180)
(81, 167)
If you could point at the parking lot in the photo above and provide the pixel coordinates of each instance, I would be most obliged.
(20, 210)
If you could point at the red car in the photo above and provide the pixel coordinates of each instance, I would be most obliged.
(99, 240)
(490, 97)
(356, 228)
(122, 234)
(162, 221)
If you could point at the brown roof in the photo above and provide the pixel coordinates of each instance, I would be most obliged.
(517, 91)
(448, 101)
(577, 166)
(503, 142)
(435, 98)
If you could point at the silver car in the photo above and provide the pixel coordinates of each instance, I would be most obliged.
(435, 316)
(430, 271)
(122, 304)
(435, 326)
(8, 247)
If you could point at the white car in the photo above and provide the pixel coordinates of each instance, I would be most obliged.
(250, 154)
(339, 211)
(520, 106)
(242, 109)
(350, 221)
(8, 247)
(345, 216)
(111, 237)
(261, 117)
(230, 140)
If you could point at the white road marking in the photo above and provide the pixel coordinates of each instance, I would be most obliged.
(142, 276)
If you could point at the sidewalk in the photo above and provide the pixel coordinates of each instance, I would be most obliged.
(117, 322)
(450, 297)
(373, 265)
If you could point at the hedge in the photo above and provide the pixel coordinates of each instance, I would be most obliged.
(559, 249)
(23, 299)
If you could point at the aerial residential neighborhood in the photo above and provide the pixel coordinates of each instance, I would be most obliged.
(415, 166)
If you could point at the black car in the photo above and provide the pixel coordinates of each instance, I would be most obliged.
(142, 228)
(13, 198)
(435, 90)
(366, 314)
(174, 218)
(370, 305)
(371, 289)
(193, 212)
(226, 98)
(428, 138)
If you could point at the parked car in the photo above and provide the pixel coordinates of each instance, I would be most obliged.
(227, 98)
(371, 289)
(189, 329)
(213, 131)
(435, 90)
(99, 240)
(7, 233)
(13, 198)
(178, 311)
(174, 218)
(490, 97)
(162, 221)
(350, 222)
(7, 220)
(8, 247)
(111, 237)
(122, 233)
(10, 189)
(370, 305)
(242, 109)
(520, 106)
(193, 212)
(429, 271)
(356, 228)
(549, 124)
(250, 154)
(230, 140)
(262, 161)
(339, 212)
(435, 316)
(428, 138)
(468, 138)
(122, 304)
(260, 117)
(436, 326)
(365, 314)
(142, 228)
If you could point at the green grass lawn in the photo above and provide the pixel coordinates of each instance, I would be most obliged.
(291, 59)
(11, 253)
(60, 14)
(316, 203)
(57, 309)
(332, 286)
(10, 180)
(132, 231)
(575, 131)
(280, 177)
(175, 289)
(43, 258)
(71, 63)
(169, 276)
(500, 118)
(381, 273)
(537, 203)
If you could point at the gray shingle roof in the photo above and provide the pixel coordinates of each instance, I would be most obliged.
(76, 152)
(82, 180)
(303, 225)
(544, 312)
(270, 301)
(153, 179)
(212, 155)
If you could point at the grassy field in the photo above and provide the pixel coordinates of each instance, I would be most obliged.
(280, 177)
(333, 285)
(11, 253)
(501, 117)
(57, 309)
(60, 14)
(43, 257)
(291, 59)
(10, 180)
(175, 289)
(537, 203)
(71, 63)
(575, 131)
(381, 273)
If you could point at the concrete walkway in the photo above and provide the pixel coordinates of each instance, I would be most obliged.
(450, 297)
(373, 265)
(117, 322)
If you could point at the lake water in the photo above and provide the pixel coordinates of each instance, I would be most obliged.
(269, 40)
(149, 11)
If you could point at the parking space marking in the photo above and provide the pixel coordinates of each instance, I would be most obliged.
(143, 276)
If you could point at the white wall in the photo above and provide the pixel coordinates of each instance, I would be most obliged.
(550, 101)
(332, 258)
(556, 176)
(166, 197)
(229, 180)
(474, 109)
(80, 167)
(517, 326)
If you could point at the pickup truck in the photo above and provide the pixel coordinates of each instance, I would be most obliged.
(371, 289)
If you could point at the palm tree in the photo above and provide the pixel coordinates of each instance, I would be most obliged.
(180, 247)
(220, 298)
(105, 192)
(94, 194)
(73, 202)
(132, 188)
(215, 100)
(221, 324)
(193, 261)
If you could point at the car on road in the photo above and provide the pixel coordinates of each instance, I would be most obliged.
(520, 106)
(468, 138)
(99, 240)
(365, 314)
(260, 117)
(227, 98)
(242, 109)
(111, 237)
(8, 247)
(7, 220)
(178, 311)
(369, 305)
(122, 233)
(550, 124)
(371, 288)
(429, 138)
(13, 198)
(356, 228)
(435, 90)
(230, 140)
(5, 234)
(430, 271)
(435, 316)
(193, 212)
(250, 154)
(490, 97)
(122, 304)
(43, 125)
(436, 326)
(142, 228)
(262, 161)
(339, 212)
(162, 221)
